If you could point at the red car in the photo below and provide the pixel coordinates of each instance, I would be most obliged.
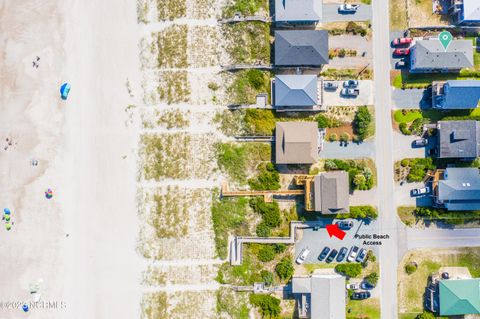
(402, 41)
(401, 52)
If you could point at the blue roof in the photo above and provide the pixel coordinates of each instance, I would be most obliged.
(459, 94)
(296, 90)
(460, 189)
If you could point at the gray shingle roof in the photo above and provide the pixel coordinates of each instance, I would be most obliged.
(471, 10)
(301, 47)
(430, 54)
(460, 189)
(296, 90)
(459, 139)
(327, 294)
(331, 192)
(298, 10)
(296, 142)
(459, 94)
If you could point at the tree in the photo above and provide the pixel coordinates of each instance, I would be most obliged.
(425, 315)
(349, 270)
(362, 121)
(359, 181)
(267, 179)
(263, 230)
(269, 306)
(372, 279)
(323, 121)
(410, 268)
(284, 268)
(266, 253)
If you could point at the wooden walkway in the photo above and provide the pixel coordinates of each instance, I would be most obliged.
(239, 18)
(234, 67)
(267, 195)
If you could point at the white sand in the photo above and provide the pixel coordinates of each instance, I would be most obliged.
(81, 146)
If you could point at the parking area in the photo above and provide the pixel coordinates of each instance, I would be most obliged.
(393, 58)
(411, 99)
(403, 196)
(404, 146)
(334, 98)
(316, 240)
(351, 151)
(362, 46)
(331, 14)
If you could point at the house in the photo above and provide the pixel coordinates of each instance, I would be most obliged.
(320, 296)
(430, 56)
(331, 192)
(295, 92)
(457, 188)
(459, 297)
(298, 11)
(301, 48)
(455, 94)
(459, 139)
(297, 142)
(465, 11)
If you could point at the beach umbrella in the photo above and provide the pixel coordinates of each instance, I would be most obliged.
(25, 308)
(6, 211)
(48, 193)
(8, 226)
(64, 90)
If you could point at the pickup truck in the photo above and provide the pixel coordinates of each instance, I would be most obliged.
(350, 92)
(348, 8)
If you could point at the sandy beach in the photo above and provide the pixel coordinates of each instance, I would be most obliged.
(78, 248)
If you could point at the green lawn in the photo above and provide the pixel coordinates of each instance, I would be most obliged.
(365, 309)
(402, 116)
(408, 117)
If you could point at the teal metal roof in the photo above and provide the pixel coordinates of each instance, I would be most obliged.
(459, 297)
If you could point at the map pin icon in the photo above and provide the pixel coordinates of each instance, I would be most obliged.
(445, 38)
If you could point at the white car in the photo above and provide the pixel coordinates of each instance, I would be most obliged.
(353, 254)
(303, 255)
(420, 191)
(353, 286)
(348, 8)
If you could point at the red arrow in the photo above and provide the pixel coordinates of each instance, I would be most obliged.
(333, 230)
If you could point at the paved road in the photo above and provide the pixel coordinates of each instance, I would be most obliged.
(408, 99)
(442, 238)
(352, 150)
(384, 159)
(330, 14)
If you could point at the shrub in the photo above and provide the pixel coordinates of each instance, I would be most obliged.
(263, 230)
(332, 137)
(349, 270)
(270, 211)
(330, 165)
(284, 268)
(419, 168)
(404, 129)
(417, 126)
(267, 277)
(323, 121)
(267, 179)
(361, 122)
(405, 162)
(425, 315)
(344, 137)
(269, 306)
(372, 279)
(213, 86)
(359, 181)
(280, 248)
(363, 212)
(266, 253)
(410, 268)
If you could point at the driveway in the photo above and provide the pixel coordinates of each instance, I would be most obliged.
(317, 240)
(333, 98)
(403, 198)
(362, 45)
(330, 13)
(361, 198)
(410, 99)
(352, 150)
(403, 147)
(394, 35)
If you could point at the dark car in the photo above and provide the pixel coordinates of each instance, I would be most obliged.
(324, 253)
(361, 295)
(341, 254)
(366, 285)
(331, 256)
(345, 224)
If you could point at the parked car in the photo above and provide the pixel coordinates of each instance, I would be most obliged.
(361, 255)
(350, 84)
(341, 254)
(401, 51)
(353, 286)
(350, 92)
(420, 191)
(345, 224)
(445, 275)
(348, 8)
(330, 85)
(360, 295)
(331, 256)
(420, 142)
(303, 255)
(353, 253)
(400, 64)
(324, 253)
(366, 285)
(402, 41)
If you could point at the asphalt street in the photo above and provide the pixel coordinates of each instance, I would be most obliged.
(331, 14)
(442, 238)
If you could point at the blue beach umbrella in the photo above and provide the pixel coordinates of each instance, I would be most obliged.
(6, 211)
(25, 308)
(64, 90)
